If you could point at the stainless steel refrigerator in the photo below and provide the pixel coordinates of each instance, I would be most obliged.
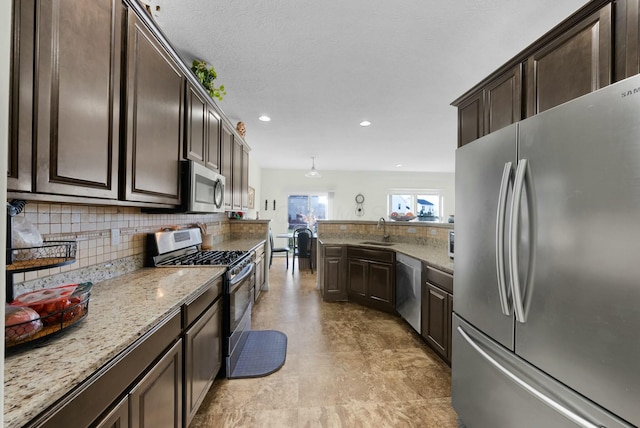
(546, 326)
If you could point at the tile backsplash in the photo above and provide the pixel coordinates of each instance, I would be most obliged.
(421, 233)
(91, 227)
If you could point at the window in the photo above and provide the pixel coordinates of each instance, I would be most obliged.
(426, 205)
(304, 210)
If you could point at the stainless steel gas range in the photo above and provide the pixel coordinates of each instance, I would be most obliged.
(182, 248)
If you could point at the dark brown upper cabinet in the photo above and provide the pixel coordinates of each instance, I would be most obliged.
(503, 100)
(470, 119)
(245, 179)
(237, 176)
(226, 165)
(587, 51)
(576, 63)
(19, 164)
(154, 102)
(212, 153)
(196, 126)
(77, 97)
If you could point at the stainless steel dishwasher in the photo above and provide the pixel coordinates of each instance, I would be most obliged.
(409, 289)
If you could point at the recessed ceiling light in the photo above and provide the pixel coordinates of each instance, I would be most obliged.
(399, 165)
(264, 118)
(365, 123)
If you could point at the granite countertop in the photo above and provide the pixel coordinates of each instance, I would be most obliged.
(436, 257)
(245, 244)
(120, 311)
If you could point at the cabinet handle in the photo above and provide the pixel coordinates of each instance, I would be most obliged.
(502, 213)
(575, 418)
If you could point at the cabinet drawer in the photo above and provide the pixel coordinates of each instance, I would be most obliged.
(381, 256)
(333, 251)
(439, 278)
(193, 309)
(259, 251)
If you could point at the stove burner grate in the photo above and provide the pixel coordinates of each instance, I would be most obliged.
(226, 258)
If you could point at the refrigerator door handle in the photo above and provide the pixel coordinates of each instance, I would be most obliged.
(572, 416)
(514, 266)
(501, 215)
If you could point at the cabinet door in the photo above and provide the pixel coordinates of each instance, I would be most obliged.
(245, 179)
(212, 152)
(197, 115)
(156, 401)
(226, 165)
(116, 418)
(503, 100)
(449, 328)
(437, 314)
(357, 277)
(21, 96)
(334, 283)
(470, 119)
(78, 97)
(203, 358)
(381, 285)
(259, 275)
(237, 176)
(154, 119)
(574, 64)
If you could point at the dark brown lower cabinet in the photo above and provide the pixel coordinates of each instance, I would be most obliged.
(260, 273)
(436, 319)
(332, 271)
(118, 417)
(371, 278)
(156, 401)
(203, 358)
(437, 309)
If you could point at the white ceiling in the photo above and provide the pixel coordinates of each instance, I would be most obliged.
(318, 68)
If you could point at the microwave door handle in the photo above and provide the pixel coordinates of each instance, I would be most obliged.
(500, 220)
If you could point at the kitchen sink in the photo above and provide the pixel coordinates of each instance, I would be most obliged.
(384, 244)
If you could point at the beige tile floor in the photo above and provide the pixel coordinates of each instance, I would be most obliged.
(346, 366)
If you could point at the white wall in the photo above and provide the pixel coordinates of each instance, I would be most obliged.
(278, 184)
(254, 181)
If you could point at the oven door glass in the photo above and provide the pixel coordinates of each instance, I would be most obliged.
(240, 297)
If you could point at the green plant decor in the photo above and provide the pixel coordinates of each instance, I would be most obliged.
(206, 76)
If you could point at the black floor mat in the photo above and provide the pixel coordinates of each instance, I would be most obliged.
(263, 353)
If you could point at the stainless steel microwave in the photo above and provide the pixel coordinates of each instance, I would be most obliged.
(202, 189)
(451, 239)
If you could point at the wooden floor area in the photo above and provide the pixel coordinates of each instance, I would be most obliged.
(346, 366)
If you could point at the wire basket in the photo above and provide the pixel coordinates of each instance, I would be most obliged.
(65, 313)
(49, 254)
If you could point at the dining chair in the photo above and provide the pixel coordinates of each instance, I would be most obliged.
(284, 250)
(302, 248)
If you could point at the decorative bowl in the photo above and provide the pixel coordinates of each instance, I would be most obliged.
(402, 218)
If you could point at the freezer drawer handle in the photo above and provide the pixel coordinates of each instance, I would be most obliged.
(577, 419)
(502, 212)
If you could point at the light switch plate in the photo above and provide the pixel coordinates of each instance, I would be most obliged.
(343, 227)
(411, 230)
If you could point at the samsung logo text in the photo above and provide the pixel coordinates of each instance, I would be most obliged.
(630, 92)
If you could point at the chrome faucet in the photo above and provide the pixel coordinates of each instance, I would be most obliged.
(385, 236)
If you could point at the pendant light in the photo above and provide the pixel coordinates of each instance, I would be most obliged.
(313, 172)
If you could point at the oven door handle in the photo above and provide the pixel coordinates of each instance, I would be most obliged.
(244, 273)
